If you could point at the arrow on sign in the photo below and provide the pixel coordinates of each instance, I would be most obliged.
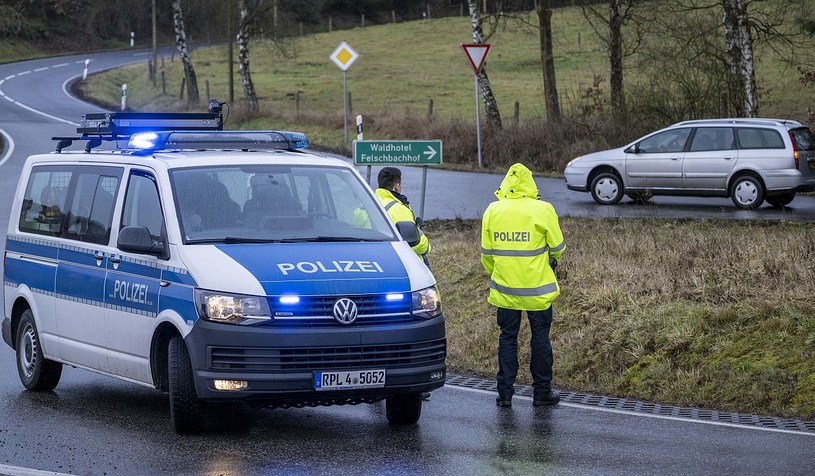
(430, 152)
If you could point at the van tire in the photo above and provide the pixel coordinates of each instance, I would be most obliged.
(36, 372)
(747, 192)
(781, 201)
(405, 409)
(187, 411)
(607, 188)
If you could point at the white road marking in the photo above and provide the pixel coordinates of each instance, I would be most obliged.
(65, 90)
(40, 69)
(35, 111)
(60, 65)
(18, 471)
(23, 73)
(11, 76)
(9, 146)
(646, 415)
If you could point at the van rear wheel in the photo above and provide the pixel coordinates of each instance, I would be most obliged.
(404, 409)
(187, 411)
(36, 372)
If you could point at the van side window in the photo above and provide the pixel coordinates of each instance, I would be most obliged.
(754, 138)
(142, 205)
(91, 206)
(43, 207)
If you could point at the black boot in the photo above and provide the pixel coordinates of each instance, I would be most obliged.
(546, 399)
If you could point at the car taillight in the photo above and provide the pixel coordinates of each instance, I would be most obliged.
(794, 150)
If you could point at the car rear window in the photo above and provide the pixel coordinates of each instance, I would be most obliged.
(804, 138)
(755, 138)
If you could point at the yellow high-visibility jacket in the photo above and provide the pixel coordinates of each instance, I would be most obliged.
(519, 233)
(398, 211)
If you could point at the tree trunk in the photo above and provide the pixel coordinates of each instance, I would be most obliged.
(548, 61)
(740, 55)
(615, 54)
(243, 59)
(181, 44)
(490, 104)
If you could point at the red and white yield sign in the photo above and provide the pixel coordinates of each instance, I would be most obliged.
(476, 53)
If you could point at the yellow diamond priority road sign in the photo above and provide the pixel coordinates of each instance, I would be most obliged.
(344, 56)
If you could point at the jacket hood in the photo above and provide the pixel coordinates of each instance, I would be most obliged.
(518, 183)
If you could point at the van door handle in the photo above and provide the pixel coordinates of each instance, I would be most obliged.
(728, 158)
(98, 257)
(115, 260)
(163, 283)
(674, 158)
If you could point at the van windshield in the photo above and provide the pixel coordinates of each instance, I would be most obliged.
(272, 203)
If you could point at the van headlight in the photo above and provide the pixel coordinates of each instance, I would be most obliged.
(426, 303)
(231, 308)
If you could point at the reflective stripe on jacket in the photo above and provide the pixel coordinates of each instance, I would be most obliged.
(519, 233)
(398, 211)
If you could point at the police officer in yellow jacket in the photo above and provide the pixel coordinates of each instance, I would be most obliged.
(521, 242)
(397, 205)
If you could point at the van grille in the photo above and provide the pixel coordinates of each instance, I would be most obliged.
(319, 310)
(317, 358)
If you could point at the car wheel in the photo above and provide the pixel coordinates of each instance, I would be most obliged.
(607, 188)
(780, 201)
(187, 411)
(747, 192)
(36, 372)
(404, 409)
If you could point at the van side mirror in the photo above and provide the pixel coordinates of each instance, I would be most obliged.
(409, 232)
(137, 239)
(634, 149)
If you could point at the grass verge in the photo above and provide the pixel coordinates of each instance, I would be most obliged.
(704, 313)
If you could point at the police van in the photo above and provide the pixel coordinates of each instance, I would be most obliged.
(216, 266)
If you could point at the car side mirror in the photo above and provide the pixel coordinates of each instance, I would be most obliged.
(137, 239)
(409, 232)
(634, 149)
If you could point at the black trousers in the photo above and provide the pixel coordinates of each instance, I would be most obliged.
(509, 320)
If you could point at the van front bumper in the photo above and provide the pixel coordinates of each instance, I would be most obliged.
(279, 364)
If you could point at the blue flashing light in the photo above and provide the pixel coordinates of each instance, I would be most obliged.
(144, 140)
(394, 296)
(298, 140)
(289, 299)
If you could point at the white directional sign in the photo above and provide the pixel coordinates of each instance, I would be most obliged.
(476, 53)
(344, 56)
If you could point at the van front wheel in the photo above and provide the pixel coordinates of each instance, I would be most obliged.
(36, 372)
(404, 409)
(186, 409)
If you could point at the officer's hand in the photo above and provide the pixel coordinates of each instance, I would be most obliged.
(419, 221)
(553, 263)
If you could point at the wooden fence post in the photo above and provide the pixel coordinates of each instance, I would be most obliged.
(430, 109)
(517, 115)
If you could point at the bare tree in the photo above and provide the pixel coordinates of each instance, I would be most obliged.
(490, 104)
(244, 32)
(620, 13)
(181, 44)
(548, 61)
(740, 53)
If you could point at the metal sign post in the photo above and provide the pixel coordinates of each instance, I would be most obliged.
(344, 56)
(477, 53)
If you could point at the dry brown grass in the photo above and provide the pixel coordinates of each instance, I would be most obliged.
(714, 314)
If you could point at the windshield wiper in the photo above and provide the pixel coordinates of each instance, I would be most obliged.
(325, 238)
(232, 240)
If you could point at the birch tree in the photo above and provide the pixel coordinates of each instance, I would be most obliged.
(548, 61)
(490, 104)
(739, 44)
(181, 44)
(244, 33)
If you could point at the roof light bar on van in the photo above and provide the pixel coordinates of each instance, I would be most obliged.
(236, 140)
(119, 124)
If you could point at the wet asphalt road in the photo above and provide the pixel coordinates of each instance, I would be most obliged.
(96, 425)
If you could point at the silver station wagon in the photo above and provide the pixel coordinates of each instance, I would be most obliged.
(748, 160)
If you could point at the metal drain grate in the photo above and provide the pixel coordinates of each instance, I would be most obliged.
(637, 406)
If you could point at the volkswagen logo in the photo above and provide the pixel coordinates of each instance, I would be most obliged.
(345, 311)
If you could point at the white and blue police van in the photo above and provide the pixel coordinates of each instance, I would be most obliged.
(216, 266)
